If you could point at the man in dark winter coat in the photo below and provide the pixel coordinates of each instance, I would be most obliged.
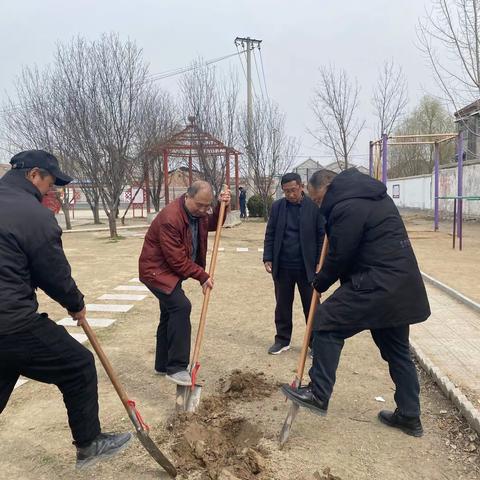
(293, 240)
(31, 257)
(381, 290)
(242, 199)
(174, 250)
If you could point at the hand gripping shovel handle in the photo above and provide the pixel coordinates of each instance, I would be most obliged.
(203, 317)
(140, 426)
(297, 381)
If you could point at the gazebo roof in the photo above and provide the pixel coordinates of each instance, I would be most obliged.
(192, 140)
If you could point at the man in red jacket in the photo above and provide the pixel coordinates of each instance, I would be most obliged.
(175, 249)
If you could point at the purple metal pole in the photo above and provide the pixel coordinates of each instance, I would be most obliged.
(370, 159)
(384, 157)
(436, 155)
(460, 189)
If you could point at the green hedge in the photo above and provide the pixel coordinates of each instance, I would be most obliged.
(256, 206)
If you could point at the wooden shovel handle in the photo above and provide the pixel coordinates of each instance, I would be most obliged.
(206, 297)
(311, 315)
(106, 364)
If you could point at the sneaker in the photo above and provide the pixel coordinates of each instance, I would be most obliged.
(304, 397)
(409, 425)
(182, 378)
(277, 348)
(104, 446)
(160, 372)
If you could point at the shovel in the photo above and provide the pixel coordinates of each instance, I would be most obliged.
(297, 381)
(142, 429)
(188, 398)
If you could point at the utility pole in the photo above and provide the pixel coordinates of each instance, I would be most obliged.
(249, 44)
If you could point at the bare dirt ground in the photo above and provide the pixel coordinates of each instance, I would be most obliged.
(458, 269)
(234, 435)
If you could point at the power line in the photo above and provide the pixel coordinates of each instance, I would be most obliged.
(179, 71)
(258, 75)
(245, 73)
(153, 77)
(263, 72)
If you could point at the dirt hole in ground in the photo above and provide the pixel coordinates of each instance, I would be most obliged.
(216, 443)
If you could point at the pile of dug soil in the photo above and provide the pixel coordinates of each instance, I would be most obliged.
(217, 444)
(246, 386)
(326, 475)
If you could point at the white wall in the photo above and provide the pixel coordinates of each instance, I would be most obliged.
(411, 192)
(418, 191)
(471, 187)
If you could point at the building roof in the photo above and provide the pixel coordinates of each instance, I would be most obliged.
(309, 163)
(471, 109)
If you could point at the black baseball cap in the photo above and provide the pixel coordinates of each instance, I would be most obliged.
(41, 159)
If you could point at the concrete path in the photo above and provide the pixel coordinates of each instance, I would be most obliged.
(450, 339)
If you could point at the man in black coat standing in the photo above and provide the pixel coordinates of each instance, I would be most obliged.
(242, 199)
(381, 290)
(31, 257)
(293, 240)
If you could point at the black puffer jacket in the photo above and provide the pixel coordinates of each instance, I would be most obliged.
(381, 285)
(31, 256)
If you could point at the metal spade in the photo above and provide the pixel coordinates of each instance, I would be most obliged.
(188, 398)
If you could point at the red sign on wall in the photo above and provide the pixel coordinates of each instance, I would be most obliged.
(50, 201)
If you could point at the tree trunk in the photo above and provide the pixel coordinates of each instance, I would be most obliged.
(112, 224)
(265, 207)
(66, 213)
(96, 213)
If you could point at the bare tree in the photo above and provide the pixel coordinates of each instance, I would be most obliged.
(428, 117)
(389, 97)
(158, 122)
(449, 35)
(29, 123)
(334, 104)
(213, 101)
(272, 151)
(100, 86)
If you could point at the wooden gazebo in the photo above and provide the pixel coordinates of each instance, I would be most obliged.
(192, 142)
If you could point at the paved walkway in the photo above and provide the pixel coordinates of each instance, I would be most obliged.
(450, 338)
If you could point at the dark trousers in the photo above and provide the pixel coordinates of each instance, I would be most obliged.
(48, 353)
(174, 331)
(243, 210)
(394, 348)
(284, 295)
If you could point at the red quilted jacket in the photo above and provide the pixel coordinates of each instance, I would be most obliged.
(167, 249)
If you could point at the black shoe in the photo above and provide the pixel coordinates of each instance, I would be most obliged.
(104, 446)
(409, 425)
(277, 348)
(304, 397)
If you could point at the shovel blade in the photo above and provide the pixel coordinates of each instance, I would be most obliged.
(155, 453)
(188, 398)
(287, 425)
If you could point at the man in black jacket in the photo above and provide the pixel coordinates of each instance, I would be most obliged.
(31, 257)
(381, 290)
(293, 240)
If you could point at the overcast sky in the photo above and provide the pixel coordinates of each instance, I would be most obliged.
(298, 37)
